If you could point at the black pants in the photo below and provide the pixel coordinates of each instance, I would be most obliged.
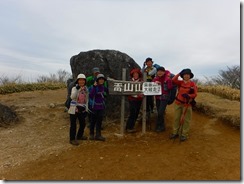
(134, 106)
(73, 126)
(96, 122)
(161, 106)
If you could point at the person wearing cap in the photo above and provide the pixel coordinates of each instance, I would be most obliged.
(164, 80)
(187, 91)
(78, 109)
(91, 79)
(97, 105)
(151, 71)
(135, 102)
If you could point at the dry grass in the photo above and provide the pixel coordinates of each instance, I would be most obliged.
(215, 101)
(224, 109)
(14, 88)
(222, 91)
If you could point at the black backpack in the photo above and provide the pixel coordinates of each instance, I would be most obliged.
(172, 92)
(70, 85)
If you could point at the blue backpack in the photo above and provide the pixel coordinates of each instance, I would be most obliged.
(156, 65)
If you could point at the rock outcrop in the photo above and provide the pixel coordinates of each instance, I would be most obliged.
(110, 63)
(7, 116)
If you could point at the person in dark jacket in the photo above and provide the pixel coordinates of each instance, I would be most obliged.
(135, 102)
(97, 105)
(162, 100)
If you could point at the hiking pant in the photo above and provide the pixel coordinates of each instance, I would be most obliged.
(135, 106)
(161, 106)
(72, 131)
(179, 109)
(96, 122)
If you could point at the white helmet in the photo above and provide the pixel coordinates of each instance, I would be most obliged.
(81, 76)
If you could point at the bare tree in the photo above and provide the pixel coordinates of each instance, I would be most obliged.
(6, 80)
(61, 76)
(230, 77)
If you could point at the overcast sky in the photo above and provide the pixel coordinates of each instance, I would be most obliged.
(39, 37)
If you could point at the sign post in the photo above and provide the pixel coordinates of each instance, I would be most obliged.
(122, 118)
(144, 122)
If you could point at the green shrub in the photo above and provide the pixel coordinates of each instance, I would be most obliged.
(15, 88)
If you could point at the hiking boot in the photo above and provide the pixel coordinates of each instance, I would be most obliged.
(183, 138)
(100, 138)
(160, 129)
(173, 136)
(82, 138)
(91, 137)
(74, 142)
(130, 130)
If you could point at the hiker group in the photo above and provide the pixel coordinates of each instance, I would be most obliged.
(87, 97)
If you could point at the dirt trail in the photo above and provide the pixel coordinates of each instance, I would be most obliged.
(38, 149)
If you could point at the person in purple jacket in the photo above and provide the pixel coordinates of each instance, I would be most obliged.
(97, 101)
(162, 100)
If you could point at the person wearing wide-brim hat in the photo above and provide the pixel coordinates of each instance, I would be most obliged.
(89, 83)
(97, 105)
(187, 92)
(78, 109)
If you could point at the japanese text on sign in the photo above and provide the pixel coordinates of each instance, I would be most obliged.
(151, 88)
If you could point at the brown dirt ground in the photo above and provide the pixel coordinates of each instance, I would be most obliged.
(37, 148)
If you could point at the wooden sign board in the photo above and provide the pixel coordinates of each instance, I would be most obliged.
(118, 87)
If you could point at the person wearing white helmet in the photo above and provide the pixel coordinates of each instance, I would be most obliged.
(78, 109)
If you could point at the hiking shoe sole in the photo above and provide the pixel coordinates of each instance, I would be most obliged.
(74, 142)
(173, 136)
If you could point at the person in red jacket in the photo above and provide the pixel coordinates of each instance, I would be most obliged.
(187, 91)
(164, 80)
(135, 102)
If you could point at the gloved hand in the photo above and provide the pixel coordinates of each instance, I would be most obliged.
(77, 86)
(185, 95)
(191, 91)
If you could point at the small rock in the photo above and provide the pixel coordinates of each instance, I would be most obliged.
(51, 105)
(119, 135)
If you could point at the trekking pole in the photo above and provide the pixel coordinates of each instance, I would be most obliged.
(182, 118)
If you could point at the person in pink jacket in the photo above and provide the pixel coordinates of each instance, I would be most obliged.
(162, 100)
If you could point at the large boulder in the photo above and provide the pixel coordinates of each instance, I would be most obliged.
(110, 63)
